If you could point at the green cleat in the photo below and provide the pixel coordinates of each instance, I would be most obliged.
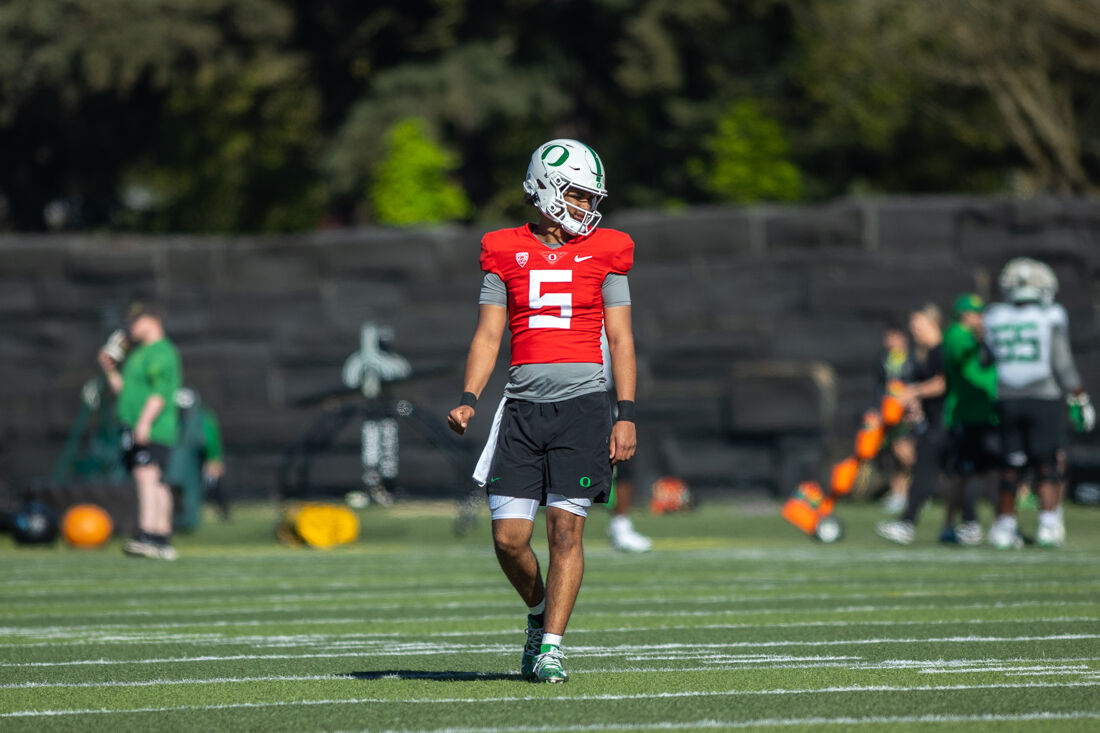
(530, 650)
(548, 666)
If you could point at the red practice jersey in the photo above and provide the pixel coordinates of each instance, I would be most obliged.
(555, 296)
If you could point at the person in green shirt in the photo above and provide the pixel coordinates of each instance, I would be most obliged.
(146, 387)
(969, 410)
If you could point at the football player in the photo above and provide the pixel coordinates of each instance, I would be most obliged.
(553, 441)
(1029, 337)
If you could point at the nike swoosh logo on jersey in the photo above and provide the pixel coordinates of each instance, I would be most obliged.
(578, 258)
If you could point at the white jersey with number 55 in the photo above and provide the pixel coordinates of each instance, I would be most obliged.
(1030, 343)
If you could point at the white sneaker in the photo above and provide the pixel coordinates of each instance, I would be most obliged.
(898, 531)
(624, 537)
(1051, 534)
(1003, 535)
(151, 550)
(167, 552)
(969, 533)
(140, 547)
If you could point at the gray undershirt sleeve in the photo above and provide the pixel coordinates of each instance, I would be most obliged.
(616, 290)
(1061, 361)
(493, 291)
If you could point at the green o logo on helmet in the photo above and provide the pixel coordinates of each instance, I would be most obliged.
(564, 155)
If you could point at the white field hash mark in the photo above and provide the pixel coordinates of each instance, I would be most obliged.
(571, 698)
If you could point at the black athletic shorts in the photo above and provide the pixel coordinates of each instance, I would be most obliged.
(1032, 431)
(971, 450)
(134, 456)
(554, 447)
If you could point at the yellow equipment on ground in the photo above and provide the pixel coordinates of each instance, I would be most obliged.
(318, 525)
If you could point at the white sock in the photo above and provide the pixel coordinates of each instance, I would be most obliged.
(1050, 518)
(620, 522)
(536, 610)
(1008, 521)
(552, 639)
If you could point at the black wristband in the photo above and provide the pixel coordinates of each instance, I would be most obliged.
(468, 398)
(626, 410)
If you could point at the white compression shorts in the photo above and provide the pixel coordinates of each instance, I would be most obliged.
(511, 507)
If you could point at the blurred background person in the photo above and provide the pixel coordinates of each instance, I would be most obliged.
(146, 387)
(924, 398)
(197, 467)
(1029, 336)
(213, 462)
(969, 414)
(896, 370)
(620, 531)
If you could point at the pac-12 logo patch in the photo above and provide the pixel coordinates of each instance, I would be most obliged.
(521, 259)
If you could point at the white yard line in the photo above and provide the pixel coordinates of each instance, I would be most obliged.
(632, 650)
(778, 723)
(183, 681)
(455, 588)
(58, 633)
(41, 588)
(748, 662)
(557, 699)
(1040, 669)
(590, 608)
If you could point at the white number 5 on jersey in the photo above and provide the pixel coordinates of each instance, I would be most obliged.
(538, 299)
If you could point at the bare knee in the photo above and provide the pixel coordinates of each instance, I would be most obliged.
(147, 477)
(565, 536)
(511, 541)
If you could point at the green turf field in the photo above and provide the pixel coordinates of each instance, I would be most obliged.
(735, 621)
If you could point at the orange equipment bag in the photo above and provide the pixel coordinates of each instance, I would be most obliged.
(808, 505)
(844, 475)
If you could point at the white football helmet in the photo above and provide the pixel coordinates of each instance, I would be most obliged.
(557, 166)
(1025, 280)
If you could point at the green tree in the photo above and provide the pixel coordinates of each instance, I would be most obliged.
(984, 75)
(747, 159)
(234, 153)
(190, 115)
(411, 184)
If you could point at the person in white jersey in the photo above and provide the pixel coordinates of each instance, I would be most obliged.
(1029, 338)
